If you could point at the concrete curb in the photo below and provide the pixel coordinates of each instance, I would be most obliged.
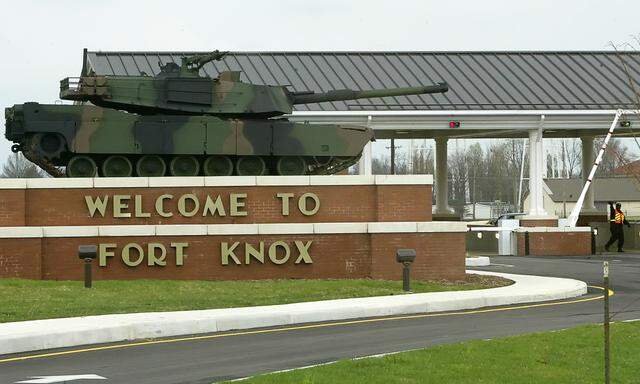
(479, 261)
(35, 335)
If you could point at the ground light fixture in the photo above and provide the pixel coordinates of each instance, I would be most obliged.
(406, 257)
(87, 253)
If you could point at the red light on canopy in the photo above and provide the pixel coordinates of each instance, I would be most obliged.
(454, 124)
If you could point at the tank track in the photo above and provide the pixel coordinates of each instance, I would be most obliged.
(43, 163)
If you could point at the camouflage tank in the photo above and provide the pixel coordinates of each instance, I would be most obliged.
(180, 123)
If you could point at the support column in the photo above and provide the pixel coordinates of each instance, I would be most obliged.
(536, 163)
(364, 164)
(587, 164)
(441, 171)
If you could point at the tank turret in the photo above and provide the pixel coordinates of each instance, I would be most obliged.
(181, 90)
(180, 123)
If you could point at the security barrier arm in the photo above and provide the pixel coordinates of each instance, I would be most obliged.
(575, 212)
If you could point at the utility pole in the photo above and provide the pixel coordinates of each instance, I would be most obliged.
(393, 156)
(607, 336)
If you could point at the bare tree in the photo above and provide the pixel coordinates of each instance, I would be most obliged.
(17, 166)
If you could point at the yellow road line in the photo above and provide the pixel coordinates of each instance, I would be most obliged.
(300, 327)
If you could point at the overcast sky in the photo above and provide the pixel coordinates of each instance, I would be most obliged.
(41, 42)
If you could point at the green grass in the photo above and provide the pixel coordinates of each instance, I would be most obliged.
(569, 356)
(37, 299)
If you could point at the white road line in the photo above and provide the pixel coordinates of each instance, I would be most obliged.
(59, 379)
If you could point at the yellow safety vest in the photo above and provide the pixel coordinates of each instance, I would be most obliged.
(619, 218)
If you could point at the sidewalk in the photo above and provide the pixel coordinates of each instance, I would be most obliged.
(26, 336)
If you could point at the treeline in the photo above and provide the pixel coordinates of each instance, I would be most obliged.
(492, 172)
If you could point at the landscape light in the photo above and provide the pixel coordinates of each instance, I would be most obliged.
(406, 257)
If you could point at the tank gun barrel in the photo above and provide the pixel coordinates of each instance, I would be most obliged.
(349, 94)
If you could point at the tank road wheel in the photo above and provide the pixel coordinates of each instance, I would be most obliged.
(48, 145)
(184, 166)
(218, 166)
(117, 166)
(251, 166)
(81, 166)
(291, 165)
(150, 166)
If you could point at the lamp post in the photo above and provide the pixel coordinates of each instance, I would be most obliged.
(87, 253)
(406, 257)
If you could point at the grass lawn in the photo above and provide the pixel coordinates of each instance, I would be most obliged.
(37, 299)
(569, 356)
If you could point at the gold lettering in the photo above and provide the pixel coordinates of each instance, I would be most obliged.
(227, 252)
(151, 254)
(138, 205)
(273, 252)
(104, 251)
(302, 204)
(210, 206)
(119, 204)
(126, 257)
(235, 204)
(97, 205)
(285, 202)
(250, 251)
(304, 252)
(180, 255)
(182, 205)
(160, 205)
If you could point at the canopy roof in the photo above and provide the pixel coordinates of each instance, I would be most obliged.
(478, 80)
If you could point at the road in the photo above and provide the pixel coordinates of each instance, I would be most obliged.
(216, 357)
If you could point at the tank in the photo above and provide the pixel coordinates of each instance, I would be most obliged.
(180, 123)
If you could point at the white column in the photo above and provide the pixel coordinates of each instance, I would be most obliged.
(441, 170)
(536, 164)
(364, 164)
(587, 164)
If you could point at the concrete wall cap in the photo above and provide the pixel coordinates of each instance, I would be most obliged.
(442, 226)
(554, 229)
(181, 230)
(404, 179)
(232, 229)
(285, 229)
(282, 180)
(392, 227)
(61, 182)
(326, 228)
(127, 230)
(342, 180)
(229, 181)
(176, 181)
(79, 231)
(121, 182)
(13, 183)
(20, 232)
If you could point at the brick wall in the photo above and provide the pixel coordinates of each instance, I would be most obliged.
(556, 243)
(348, 203)
(439, 256)
(21, 258)
(539, 223)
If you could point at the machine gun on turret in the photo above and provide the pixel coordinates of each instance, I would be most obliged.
(196, 62)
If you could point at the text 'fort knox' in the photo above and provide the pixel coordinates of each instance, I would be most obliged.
(231, 253)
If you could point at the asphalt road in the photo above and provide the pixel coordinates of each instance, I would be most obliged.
(239, 354)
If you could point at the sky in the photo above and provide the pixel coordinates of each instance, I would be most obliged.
(41, 42)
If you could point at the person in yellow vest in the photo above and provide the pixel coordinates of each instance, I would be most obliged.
(616, 221)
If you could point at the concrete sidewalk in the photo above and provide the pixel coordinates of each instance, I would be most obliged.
(59, 333)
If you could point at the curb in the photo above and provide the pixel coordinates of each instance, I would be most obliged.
(480, 261)
(35, 335)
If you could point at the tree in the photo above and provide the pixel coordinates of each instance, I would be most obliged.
(17, 166)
